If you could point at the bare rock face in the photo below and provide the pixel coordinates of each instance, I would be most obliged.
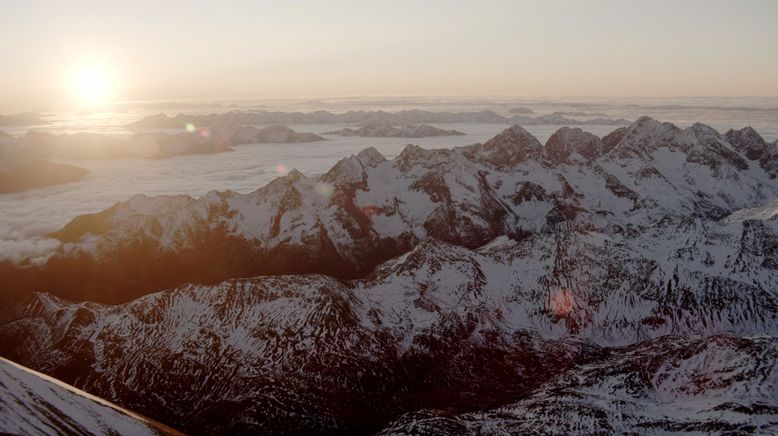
(619, 286)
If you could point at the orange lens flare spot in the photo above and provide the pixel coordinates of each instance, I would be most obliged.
(561, 302)
(324, 189)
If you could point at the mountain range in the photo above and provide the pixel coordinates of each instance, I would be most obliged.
(386, 131)
(379, 117)
(84, 145)
(623, 284)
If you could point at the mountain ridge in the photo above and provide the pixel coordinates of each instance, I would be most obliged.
(367, 209)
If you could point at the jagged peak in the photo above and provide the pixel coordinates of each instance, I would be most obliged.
(513, 145)
(409, 150)
(413, 154)
(746, 131)
(370, 157)
(516, 135)
(748, 141)
(348, 170)
(568, 140)
(294, 175)
(648, 125)
(643, 136)
(700, 128)
(429, 251)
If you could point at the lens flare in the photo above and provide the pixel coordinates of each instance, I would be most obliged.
(324, 189)
(561, 302)
(281, 169)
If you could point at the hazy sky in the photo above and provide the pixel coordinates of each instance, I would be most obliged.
(154, 50)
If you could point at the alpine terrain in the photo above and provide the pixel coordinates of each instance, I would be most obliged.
(624, 284)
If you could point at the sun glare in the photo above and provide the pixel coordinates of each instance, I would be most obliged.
(92, 87)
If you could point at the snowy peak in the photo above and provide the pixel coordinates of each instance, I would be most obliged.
(514, 145)
(748, 142)
(370, 157)
(366, 209)
(573, 143)
(353, 170)
(642, 137)
(700, 144)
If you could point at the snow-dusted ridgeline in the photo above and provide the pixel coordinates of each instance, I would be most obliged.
(367, 209)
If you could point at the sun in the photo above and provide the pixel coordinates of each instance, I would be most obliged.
(92, 86)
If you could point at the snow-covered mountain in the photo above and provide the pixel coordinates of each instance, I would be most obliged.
(367, 209)
(35, 404)
(671, 385)
(440, 327)
(386, 131)
(596, 285)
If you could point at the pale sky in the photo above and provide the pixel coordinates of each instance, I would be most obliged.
(174, 50)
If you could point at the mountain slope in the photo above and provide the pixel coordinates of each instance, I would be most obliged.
(672, 385)
(441, 326)
(34, 404)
